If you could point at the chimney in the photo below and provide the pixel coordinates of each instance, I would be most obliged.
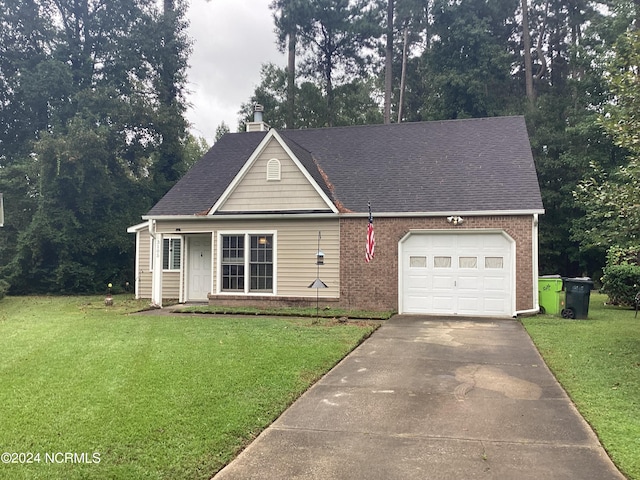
(258, 124)
(257, 112)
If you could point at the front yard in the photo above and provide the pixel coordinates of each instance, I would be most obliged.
(597, 361)
(90, 392)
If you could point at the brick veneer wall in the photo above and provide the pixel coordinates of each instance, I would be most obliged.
(374, 285)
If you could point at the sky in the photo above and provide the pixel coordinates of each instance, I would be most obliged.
(231, 40)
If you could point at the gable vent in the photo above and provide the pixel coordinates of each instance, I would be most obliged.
(273, 170)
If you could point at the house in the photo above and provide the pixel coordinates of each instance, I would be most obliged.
(455, 214)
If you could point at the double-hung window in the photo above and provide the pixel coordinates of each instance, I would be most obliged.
(171, 253)
(233, 263)
(247, 263)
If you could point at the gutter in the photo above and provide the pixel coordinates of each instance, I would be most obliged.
(307, 215)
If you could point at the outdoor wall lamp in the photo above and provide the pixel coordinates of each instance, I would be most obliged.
(455, 220)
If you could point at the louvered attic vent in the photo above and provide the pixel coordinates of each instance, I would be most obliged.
(273, 170)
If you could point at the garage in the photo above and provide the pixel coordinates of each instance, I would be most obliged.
(466, 273)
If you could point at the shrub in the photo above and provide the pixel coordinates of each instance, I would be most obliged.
(4, 287)
(623, 256)
(621, 283)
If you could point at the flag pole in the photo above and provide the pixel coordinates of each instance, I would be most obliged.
(371, 242)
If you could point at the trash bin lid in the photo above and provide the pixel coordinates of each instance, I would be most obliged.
(579, 280)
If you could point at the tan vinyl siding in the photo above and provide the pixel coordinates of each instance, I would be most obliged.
(170, 285)
(297, 269)
(255, 193)
(296, 248)
(170, 280)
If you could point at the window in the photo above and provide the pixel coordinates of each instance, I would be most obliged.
(233, 263)
(273, 170)
(261, 263)
(442, 262)
(493, 262)
(242, 273)
(468, 262)
(417, 262)
(171, 249)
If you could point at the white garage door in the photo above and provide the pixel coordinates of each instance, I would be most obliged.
(457, 274)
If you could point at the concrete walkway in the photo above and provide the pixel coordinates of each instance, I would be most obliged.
(431, 398)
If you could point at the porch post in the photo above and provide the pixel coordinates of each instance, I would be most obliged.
(156, 278)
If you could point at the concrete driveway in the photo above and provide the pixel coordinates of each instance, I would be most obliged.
(431, 398)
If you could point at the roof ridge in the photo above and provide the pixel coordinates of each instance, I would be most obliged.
(395, 124)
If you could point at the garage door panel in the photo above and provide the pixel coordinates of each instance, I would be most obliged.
(468, 304)
(442, 282)
(468, 283)
(463, 273)
(442, 303)
(494, 284)
(495, 306)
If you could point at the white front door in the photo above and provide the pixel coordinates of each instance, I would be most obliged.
(465, 273)
(199, 273)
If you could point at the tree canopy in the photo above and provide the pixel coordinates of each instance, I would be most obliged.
(93, 131)
(93, 128)
(473, 59)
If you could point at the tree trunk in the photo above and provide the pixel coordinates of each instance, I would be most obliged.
(528, 70)
(291, 80)
(388, 73)
(403, 75)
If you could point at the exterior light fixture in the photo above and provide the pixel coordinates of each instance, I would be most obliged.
(455, 220)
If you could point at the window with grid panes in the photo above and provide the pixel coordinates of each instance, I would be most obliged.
(233, 263)
(261, 263)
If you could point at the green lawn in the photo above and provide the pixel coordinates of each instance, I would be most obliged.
(597, 361)
(147, 396)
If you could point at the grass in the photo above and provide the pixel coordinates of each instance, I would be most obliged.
(597, 361)
(325, 312)
(154, 396)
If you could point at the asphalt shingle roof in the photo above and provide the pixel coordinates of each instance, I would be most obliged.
(445, 166)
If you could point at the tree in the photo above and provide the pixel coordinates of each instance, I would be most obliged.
(526, 40)
(565, 134)
(222, 129)
(612, 201)
(388, 64)
(96, 96)
(168, 59)
(469, 65)
(353, 102)
(414, 15)
(289, 17)
(335, 39)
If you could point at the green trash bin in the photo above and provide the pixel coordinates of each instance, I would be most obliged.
(550, 295)
(578, 292)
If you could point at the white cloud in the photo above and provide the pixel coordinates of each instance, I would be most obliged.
(231, 40)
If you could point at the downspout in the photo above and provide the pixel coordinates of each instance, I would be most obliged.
(156, 276)
(534, 260)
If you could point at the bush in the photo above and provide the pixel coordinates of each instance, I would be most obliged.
(4, 288)
(621, 283)
(623, 256)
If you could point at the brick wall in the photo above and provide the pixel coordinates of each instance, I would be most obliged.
(374, 285)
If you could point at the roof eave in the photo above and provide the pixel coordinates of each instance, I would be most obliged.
(271, 215)
(466, 213)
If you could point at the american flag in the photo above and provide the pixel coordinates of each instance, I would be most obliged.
(371, 240)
